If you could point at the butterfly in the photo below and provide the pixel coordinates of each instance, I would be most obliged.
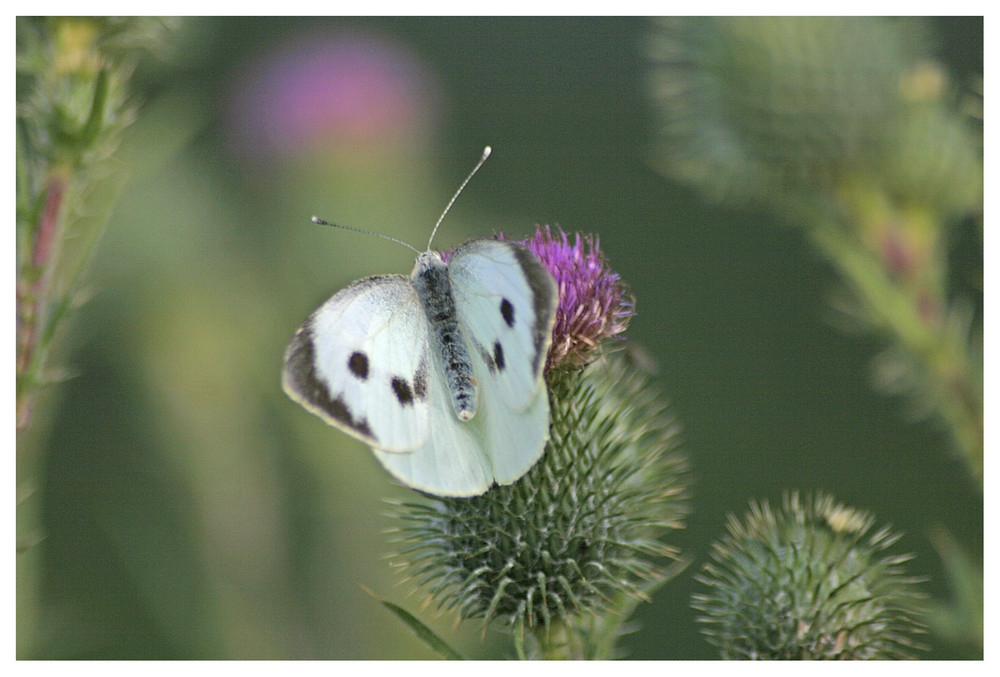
(440, 373)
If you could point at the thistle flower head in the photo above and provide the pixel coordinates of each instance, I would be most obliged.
(593, 302)
(323, 90)
(580, 533)
(806, 581)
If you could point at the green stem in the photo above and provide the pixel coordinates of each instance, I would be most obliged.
(34, 328)
(914, 317)
(557, 643)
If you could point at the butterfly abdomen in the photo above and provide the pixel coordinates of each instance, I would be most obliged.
(430, 279)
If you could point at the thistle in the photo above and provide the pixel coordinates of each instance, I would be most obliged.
(593, 303)
(755, 106)
(850, 128)
(847, 126)
(807, 582)
(560, 557)
(72, 106)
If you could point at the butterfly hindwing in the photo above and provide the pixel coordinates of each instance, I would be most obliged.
(362, 363)
(514, 441)
(453, 461)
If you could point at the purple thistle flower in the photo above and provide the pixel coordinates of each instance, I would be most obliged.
(593, 302)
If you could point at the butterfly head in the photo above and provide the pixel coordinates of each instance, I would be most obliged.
(427, 261)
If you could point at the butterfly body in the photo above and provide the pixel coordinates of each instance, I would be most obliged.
(440, 373)
(430, 279)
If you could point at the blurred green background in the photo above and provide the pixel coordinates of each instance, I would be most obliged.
(191, 510)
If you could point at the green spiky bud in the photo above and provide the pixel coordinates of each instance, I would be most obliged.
(749, 106)
(577, 535)
(807, 582)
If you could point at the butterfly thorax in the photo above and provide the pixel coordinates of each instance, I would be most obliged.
(430, 279)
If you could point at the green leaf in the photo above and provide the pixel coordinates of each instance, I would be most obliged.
(429, 637)
(95, 121)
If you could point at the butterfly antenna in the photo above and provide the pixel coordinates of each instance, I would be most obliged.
(321, 222)
(486, 154)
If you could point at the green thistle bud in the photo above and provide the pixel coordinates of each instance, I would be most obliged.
(806, 582)
(580, 533)
(753, 105)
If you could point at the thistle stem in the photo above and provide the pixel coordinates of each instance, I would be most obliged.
(556, 643)
(913, 315)
(72, 107)
(32, 292)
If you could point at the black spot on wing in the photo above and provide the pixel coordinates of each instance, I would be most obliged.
(498, 356)
(507, 311)
(401, 389)
(485, 356)
(420, 381)
(301, 379)
(358, 364)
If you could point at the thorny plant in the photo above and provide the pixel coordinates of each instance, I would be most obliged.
(72, 106)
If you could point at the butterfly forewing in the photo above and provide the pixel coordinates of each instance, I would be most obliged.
(506, 302)
(362, 363)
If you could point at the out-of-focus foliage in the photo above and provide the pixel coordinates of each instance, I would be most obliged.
(72, 106)
(847, 126)
(851, 128)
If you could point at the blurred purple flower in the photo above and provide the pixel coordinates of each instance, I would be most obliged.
(330, 89)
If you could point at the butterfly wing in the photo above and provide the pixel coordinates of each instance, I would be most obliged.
(361, 362)
(506, 302)
(453, 461)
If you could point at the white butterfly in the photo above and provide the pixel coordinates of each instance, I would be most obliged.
(441, 372)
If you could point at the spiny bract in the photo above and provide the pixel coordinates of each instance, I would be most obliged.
(578, 531)
(805, 583)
